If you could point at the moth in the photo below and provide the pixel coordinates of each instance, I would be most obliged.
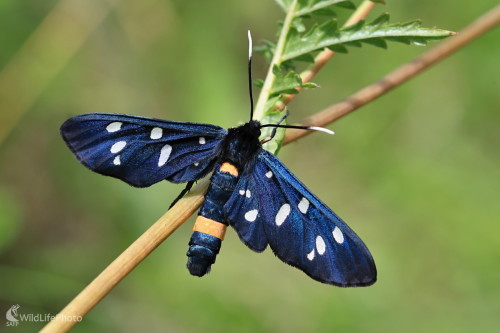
(250, 189)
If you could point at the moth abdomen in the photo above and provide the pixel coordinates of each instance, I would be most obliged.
(210, 226)
(203, 249)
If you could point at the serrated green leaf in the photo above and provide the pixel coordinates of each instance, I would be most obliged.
(346, 5)
(338, 48)
(418, 41)
(412, 24)
(309, 6)
(271, 104)
(325, 12)
(378, 42)
(258, 83)
(310, 85)
(266, 49)
(288, 65)
(305, 58)
(384, 18)
(399, 40)
(286, 84)
(353, 43)
(290, 92)
(376, 33)
(298, 24)
(295, 33)
(296, 42)
(356, 26)
(280, 28)
(277, 71)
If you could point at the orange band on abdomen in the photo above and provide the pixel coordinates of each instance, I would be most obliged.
(229, 168)
(210, 227)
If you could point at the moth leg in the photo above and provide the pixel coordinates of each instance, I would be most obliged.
(284, 117)
(188, 187)
(273, 133)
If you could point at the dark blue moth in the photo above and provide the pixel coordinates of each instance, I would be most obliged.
(250, 189)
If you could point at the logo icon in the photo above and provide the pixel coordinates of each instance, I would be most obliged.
(11, 315)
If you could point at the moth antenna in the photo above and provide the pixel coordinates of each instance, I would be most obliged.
(249, 44)
(312, 128)
(250, 72)
(321, 129)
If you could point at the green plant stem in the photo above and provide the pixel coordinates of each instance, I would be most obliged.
(276, 61)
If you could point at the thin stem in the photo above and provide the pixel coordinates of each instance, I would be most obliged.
(276, 61)
(129, 259)
(306, 128)
(180, 212)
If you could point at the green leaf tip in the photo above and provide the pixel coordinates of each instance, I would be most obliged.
(377, 33)
(288, 83)
(308, 6)
(321, 7)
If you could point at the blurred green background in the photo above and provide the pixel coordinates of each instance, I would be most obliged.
(416, 173)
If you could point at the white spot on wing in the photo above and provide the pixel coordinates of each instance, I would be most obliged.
(164, 155)
(196, 163)
(269, 174)
(248, 194)
(242, 192)
(338, 235)
(118, 146)
(320, 245)
(310, 255)
(283, 213)
(156, 133)
(202, 140)
(303, 205)
(114, 127)
(251, 215)
(117, 161)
